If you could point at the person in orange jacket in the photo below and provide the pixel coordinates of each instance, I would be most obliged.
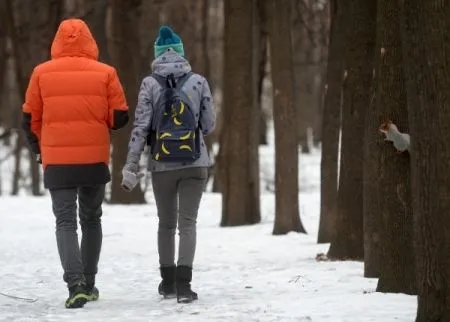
(71, 104)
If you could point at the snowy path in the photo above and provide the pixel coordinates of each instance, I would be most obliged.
(241, 274)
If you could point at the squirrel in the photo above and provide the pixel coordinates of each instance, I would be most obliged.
(400, 140)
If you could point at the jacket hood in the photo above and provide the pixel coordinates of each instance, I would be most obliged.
(171, 63)
(73, 38)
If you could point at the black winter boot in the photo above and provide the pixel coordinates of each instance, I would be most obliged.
(184, 291)
(167, 286)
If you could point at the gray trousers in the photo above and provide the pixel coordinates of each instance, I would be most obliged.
(178, 194)
(78, 264)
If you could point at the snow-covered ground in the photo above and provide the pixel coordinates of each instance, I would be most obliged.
(241, 274)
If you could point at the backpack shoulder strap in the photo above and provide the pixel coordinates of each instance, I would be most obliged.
(183, 79)
(157, 112)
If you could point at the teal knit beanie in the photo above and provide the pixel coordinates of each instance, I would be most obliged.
(166, 39)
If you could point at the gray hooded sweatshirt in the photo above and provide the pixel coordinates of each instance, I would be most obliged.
(196, 87)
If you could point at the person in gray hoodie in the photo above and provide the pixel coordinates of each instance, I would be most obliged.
(177, 185)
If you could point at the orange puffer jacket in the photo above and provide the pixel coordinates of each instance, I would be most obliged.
(71, 104)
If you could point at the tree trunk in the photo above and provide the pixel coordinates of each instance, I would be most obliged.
(372, 198)
(4, 108)
(262, 59)
(238, 159)
(17, 162)
(215, 44)
(322, 39)
(301, 54)
(38, 23)
(331, 124)
(391, 257)
(347, 240)
(287, 217)
(3, 56)
(125, 47)
(374, 145)
(204, 48)
(206, 67)
(19, 144)
(204, 31)
(426, 58)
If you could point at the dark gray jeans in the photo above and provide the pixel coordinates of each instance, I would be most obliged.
(79, 265)
(178, 194)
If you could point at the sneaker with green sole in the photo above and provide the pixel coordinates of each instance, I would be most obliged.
(78, 296)
(93, 293)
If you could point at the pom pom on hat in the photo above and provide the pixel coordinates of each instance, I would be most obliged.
(166, 36)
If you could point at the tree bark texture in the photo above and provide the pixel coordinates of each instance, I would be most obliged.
(331, 123)
(425, 48)
(32, 26)
(287, 217)
(392, 174)
(206, 65)
(3, 56)
(4, 59)
(215, 44)
(347, 240)
(322, 18)
(303, 76)
(373, 221)
(373, 146)
(262, 66)
(238, 167)
(125, 47)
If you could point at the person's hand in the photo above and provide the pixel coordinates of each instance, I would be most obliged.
(38, 158)
(130, 177)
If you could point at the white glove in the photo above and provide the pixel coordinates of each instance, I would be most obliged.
(130, 177)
